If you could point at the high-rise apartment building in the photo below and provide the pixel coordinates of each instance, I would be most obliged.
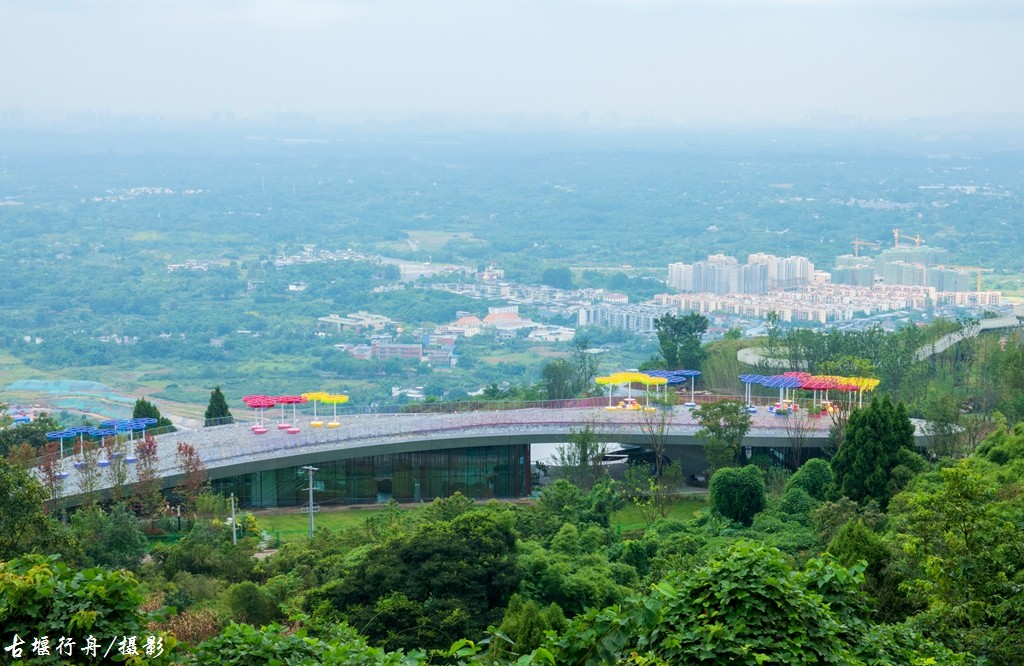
(721, 274)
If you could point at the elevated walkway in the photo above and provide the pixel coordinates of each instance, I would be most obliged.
(757, 356)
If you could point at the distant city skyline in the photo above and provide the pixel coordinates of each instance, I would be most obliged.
(604, 62)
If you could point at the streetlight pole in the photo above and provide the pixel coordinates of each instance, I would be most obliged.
(310, 470)
(234, 524)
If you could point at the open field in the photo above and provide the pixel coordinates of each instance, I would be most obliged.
(426, 241)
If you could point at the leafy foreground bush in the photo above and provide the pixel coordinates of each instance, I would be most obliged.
(43, 597)
(745, 606)
(243, 645)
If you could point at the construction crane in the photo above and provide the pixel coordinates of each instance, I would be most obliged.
(979, 269)
(858, 242)
(896, 235)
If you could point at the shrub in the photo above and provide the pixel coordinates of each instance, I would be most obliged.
(799, 504)
(251, 604)
(738, 494)
(813, 477)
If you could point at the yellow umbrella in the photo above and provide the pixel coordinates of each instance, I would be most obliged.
(334, 399)
(315, 396)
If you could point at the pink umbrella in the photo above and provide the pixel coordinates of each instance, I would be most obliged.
(288, 400)
(259, 403)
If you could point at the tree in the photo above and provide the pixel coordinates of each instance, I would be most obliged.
(562, 502)
(581, 460)
(32, 433)
(217, 412)
(798, 431)
(51, 468)
(144, 409)
(738, 494)
(771, 324)
(22, 455)
(252, 604)
(427, 589)
(559, 278)
(655, 483)
(723, 425)
(864, 465)
(679, 340)
(89, 471)
(856, 542)
(848, 366)
(649, 492)
(655, 426)
(584, 365)
(941, 410)
(207, 549)
(26, 528)
(114, 448)
(574, 572)
(640, 488)
(557, 376)
(961, 537)
(111, 540)
(147, 498)
(193, 471)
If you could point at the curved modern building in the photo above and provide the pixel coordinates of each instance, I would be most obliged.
(372, 458)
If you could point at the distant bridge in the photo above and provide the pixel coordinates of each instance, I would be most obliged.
(234, 449)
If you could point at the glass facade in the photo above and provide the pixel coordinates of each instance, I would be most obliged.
(483, 472)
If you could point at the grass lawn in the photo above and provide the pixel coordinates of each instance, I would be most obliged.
(630, 520)
(290, 525)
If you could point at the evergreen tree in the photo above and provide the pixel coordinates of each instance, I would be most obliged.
(878, 440)
(144, 409)
(217, 412)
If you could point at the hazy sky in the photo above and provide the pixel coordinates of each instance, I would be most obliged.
(677, 60)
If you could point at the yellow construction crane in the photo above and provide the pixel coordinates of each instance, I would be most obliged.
(979, 269)
(858, 242)
(896, 236)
